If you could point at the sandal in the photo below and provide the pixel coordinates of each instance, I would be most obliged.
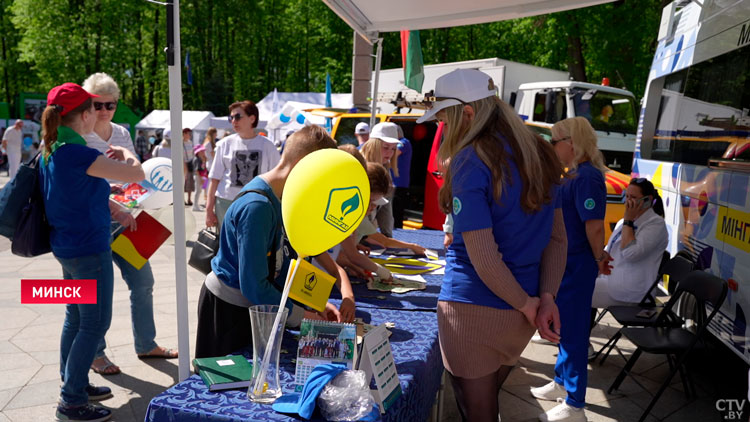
(159, 352)
(105, 366)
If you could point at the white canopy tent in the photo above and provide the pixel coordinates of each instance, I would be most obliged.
(368, 18)
(198, 121)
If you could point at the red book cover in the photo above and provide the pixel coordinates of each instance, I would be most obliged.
(136, 247)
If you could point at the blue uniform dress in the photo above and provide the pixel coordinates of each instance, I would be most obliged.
(584, 198)
(521, 238)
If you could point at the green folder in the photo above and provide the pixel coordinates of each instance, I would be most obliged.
(224, 372)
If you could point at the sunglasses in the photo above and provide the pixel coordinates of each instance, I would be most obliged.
(108, 105)
(236, 116)
(430, 100)
(554, 142)
(639, 180)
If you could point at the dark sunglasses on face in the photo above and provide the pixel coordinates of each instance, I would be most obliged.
(108, 105)
(557, 141)
(237, 116)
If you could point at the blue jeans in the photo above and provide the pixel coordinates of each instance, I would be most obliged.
(85, 325)
(141, 286)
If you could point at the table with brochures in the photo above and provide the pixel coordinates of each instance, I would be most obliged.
(422, 300)
(416, 352)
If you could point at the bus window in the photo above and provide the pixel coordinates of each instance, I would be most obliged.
(703, 112)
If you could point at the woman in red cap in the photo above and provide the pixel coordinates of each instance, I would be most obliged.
(76, 196)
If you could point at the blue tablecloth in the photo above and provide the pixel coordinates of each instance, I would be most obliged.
(416, 352)
(415, 300)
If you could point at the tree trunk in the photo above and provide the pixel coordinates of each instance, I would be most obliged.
(6, 79)
(154, 58)
(576, 64)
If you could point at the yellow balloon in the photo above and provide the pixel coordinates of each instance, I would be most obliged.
(325, 198)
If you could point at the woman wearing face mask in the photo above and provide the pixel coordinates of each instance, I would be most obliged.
(76, 196)
(508, 252)
(584, 197)
(635, 247)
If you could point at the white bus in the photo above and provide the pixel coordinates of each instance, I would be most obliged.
(693, 142)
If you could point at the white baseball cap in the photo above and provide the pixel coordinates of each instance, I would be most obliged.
(386, 131)
(457, 87)
(362, 128)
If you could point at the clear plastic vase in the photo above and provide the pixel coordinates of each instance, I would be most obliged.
(262, 318)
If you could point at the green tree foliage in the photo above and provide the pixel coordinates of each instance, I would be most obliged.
(246, 48)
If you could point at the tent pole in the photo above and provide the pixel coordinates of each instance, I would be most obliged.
(378, 57)
(178, 190)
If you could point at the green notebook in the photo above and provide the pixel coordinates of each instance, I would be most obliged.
(224, 372)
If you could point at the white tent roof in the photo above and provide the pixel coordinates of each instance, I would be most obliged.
(312, 99)
(159, 119)
(369, 17)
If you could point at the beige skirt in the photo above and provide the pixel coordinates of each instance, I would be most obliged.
(476, 340)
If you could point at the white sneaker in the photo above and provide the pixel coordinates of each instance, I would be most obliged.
(551, 391)
(536, 338)
(563, 412)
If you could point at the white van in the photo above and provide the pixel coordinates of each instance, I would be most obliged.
(693, 143)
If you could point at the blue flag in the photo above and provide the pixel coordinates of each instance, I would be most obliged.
(329, 122)
(189, 68)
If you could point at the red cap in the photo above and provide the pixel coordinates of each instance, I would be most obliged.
(68, 96)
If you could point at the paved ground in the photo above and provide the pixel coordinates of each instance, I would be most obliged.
(30, 334)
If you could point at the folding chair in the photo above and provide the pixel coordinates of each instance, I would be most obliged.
(676, 342)
(633, 315)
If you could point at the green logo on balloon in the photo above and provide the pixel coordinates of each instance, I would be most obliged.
(345, 208)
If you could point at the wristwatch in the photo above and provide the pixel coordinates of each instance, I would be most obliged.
(630, 223)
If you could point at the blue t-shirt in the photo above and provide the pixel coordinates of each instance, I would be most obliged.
(76, 204)
(404, 164)
(251, 230)
(521, 237)
(584, 197)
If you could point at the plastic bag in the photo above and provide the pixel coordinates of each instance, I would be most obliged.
(347, 397)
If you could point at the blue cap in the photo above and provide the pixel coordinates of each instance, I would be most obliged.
(304, 403)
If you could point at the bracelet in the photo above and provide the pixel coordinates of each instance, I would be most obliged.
(601, 257)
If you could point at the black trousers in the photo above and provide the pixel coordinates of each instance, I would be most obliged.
(223, 328)
(400, 202)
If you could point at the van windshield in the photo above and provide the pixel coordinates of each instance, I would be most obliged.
(607, 111)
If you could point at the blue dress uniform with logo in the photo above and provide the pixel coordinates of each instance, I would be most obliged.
(584, 198)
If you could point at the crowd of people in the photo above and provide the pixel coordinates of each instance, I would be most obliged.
(526, 251)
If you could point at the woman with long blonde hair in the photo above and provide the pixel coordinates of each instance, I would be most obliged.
(382, 148)
(508, 252)
(584, 199)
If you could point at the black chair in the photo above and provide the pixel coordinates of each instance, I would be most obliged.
(647, 312)
(676, 342)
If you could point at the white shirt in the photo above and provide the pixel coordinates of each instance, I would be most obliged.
(635, 267)
(237, 161)
(120, 137)
(14, 138)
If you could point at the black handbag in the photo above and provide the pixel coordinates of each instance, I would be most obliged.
(15, 195)
(32, 233)
(204, 250)
(207, 245)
